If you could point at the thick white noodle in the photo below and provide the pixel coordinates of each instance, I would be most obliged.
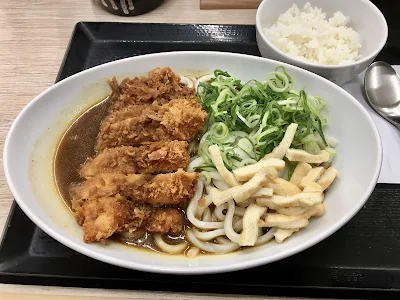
(192, 78)
(228, 226)
(207, 216)
(168, 248)
(202, 79)
(192, 252)
(210, 175)
(208, 189)
(215, 175)
(199, 193)
(201, 224)
(238, 225)
(208, 235)
(266, 237)
(219, 212)
(211, 247)
(221, 185)
(246, 203)
(195, 163)
(201, 208)
(186, 81)
(239, 211)
(192, 158)
(191, 210)
(223, 240)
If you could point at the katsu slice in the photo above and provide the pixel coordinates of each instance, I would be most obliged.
(161, 85)
(130, 111)
(166, 220)
(157, 157)
(163, 189)
(102, 217)
(180, 119)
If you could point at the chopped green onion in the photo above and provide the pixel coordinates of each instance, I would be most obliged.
(312, 147)
(247, 121)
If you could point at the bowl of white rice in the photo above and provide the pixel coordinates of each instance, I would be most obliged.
(336, 39)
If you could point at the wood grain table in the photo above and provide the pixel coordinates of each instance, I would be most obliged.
(33, 36)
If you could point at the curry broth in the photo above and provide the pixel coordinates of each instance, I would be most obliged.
(76, 145)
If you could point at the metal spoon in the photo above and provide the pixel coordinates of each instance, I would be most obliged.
(382, 88)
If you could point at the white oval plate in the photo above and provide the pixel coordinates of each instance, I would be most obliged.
(32, 139)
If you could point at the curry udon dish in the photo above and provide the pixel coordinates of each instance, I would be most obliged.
(196, 165)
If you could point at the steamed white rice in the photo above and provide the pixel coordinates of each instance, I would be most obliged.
(308, 35)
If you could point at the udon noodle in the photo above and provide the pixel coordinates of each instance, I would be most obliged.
(223, 228)
(214, 229)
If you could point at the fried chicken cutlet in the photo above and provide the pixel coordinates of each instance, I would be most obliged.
(161, 85)
(149, 124)
(180, 119)
(102, 217)
(157, 157)
(163, 189)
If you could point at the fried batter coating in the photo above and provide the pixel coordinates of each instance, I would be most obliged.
(150, 158)
(180, 119)
(163, 189)
(168, 220)
(161, 85)
(102, 217)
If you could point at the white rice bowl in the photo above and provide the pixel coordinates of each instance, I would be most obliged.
(306, 34)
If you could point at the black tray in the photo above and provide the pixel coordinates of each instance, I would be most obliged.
(360, 260)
